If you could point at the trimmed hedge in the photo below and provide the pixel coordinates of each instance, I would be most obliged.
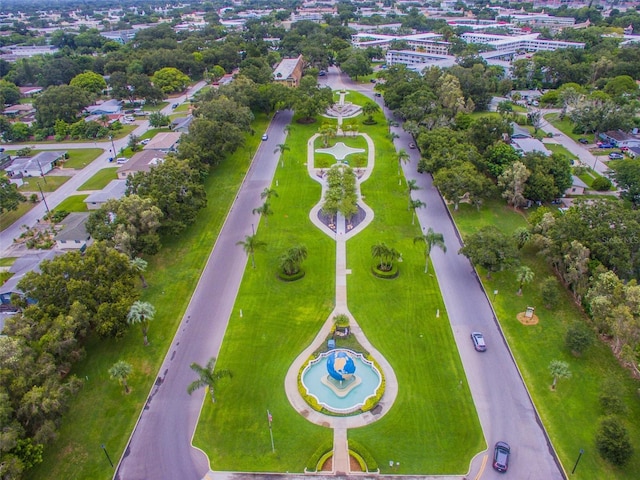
(321, 451)
(359, 452)
(290, 278)
(390, 274)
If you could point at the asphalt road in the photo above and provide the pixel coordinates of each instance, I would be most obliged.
(159, 448)
(504, 407)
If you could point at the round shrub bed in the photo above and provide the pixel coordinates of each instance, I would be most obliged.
(290, 278)
(369, 122)
(388, 274)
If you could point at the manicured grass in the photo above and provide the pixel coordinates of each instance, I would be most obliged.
(555, 148)
(7, 261)
(183, 107)
(80, 158)
(9, 218)
(325, 160)
(154, 108)
(152, 132)
(101, 413)
(48, 184)
(233, 432)
(100, 180)
(571, 413)
(566, 126)
(74, 203)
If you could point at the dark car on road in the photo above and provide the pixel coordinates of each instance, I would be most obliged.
(478, 342)
(583, 141)
(501, 456)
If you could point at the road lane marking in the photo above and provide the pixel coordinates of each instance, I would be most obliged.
(484, 464)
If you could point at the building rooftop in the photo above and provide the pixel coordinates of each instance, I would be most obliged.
(163, 141)
(73, 227)
(114, 190)
(286, 67)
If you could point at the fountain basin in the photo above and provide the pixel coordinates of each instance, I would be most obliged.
(337, 396)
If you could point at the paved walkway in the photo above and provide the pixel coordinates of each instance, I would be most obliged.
(341, 235)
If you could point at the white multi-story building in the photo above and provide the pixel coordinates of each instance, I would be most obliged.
(512, 44)
(423, 42)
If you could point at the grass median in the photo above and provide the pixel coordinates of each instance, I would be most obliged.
(281, 319)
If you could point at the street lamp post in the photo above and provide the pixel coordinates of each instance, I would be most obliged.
(107, 454)
(495, 292)
(579, 456)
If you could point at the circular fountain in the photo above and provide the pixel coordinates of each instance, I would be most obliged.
(341, 380)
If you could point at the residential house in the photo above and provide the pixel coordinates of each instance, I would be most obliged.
(522, 141)
(35, 166)
(620, 139)
(165, 142)
(141, 162)
(19, 110)
(577, 187)
(289, 71)
(110, 107)
(114, 190)
(181, 124)
(633, 152)
(29, 92)
(74, 235)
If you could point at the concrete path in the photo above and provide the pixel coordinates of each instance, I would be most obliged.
(341, 235)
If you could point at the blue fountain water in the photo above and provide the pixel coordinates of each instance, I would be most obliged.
(315, 376)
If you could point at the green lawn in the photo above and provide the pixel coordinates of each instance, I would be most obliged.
(154, 108)
(232, 431)
(49, 183)
(152, 132)
(100, 179)
(182, 108)
(566, 126)
(80, 158)
(74, 203)
(101, 413)
(555, 148)
(7, 261)
(355, 160)
(9, 218)
(570, 414)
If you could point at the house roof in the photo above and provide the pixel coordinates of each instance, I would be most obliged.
(576, 182)
(519, 132)
(114, 190)
(73, 227)
(529, 145)
(35, 162)
(619, 135)
(182, 123)
(29, 90)
(142, 161)
(110, 106)
(286, 67)
(163, 141)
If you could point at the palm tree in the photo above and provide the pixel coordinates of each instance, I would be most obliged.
(281, 148)
(264, 210)
(250, 244)
(142, 313)
(412, 186)
(403, 157)
(267, 193)
(369, 109)
(327, 132)
(385, 255)
(207, 377)
(120, 371)
(291, 260)
(415, 204)
(139, 265)
(558, 369)
(431, 239)
(524, 275)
